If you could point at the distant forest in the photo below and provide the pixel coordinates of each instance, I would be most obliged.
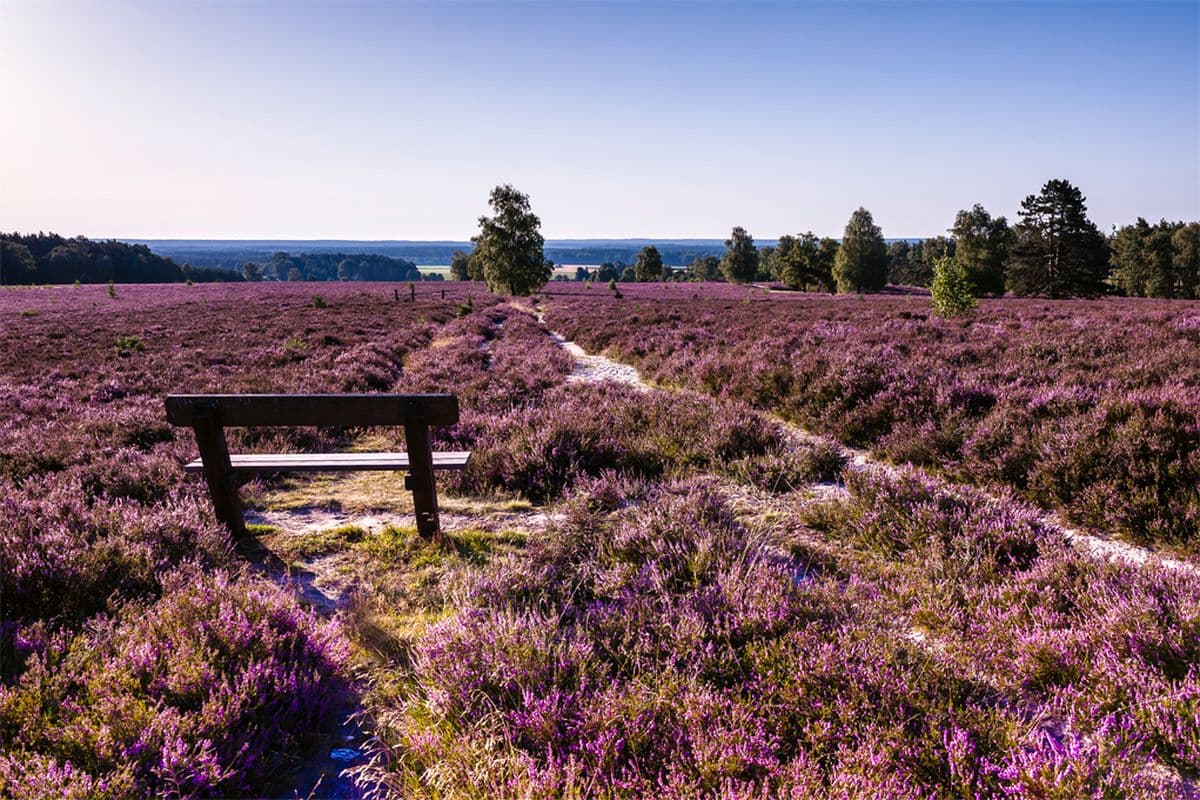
(47, 258)
(333, 267)
(50, 258)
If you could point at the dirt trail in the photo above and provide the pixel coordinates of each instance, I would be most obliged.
(594, 368)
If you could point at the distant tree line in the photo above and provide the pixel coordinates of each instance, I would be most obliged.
(43, 258)
(1053, 250)
(333, 267)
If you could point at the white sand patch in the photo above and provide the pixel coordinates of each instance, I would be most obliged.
(598, 369)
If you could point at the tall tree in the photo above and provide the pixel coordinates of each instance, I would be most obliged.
(981, 248)
(509, 245)
(802, 262)
(649, 266)
(899, 254)
(829, 251)
(740, 264)
(17, 264)
(1057, 250)
(1185, 243)
(460, 266)
(1146, 260)
(914, 266)
(704, 268)
(779, 261)
(862, 262)
(766, 263)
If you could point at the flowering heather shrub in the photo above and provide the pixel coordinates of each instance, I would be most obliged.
(494, 360)
(1091, 407)
(207, 692)
(95, 514)
(665, 651)
(1111, 650)
(578, 430)
(67, 559)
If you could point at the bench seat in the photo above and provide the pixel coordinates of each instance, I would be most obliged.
(332, 462)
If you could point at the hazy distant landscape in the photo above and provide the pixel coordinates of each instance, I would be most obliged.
(232, 253)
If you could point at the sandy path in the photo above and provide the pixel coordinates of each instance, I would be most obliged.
(595, 368)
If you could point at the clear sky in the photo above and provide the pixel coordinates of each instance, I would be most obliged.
(393, 120)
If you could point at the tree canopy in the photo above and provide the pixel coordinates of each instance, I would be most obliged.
(805, 261)
(460, 266)
(649, 266)
(861, 264)
(952, 290)
(1156, 260)
(50, 258)
(982, 244)
(509, 245)
(1058, 251)
(740, 264)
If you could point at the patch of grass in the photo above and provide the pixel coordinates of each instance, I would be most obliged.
(259, 529)
(29, 312)
(321, 543)
(403, 545)
(351, 492)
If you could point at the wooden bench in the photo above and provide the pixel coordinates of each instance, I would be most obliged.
(210, 414)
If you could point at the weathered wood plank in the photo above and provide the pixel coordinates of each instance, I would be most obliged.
(420, 478)
(288, 410)
(218, 473)
(333, 462)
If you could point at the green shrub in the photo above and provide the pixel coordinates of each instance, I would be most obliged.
(951, 289)
(126, 345)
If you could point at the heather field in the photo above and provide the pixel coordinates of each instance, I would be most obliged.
(820, 553)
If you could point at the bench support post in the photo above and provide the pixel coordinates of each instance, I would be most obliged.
(218, 472)
(420, 479)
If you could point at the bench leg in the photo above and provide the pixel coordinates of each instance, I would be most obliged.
(420, 479)
(218, 473)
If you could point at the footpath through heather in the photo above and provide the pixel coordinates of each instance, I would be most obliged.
(591, 367)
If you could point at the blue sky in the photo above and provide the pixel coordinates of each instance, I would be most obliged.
(393, 120)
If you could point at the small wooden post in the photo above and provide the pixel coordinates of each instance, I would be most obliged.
(218, 471)
(420, 471)
(412, 293)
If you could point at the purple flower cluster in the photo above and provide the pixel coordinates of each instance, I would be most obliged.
(204, 692)
(941, 645)
(128, 666)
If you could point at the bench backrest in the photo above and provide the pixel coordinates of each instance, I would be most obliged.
(288, 410)
(210, 414)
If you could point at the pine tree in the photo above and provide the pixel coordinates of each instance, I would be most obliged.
(862, 261)
(740, 263)
(509, 245)
(1058, 252)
